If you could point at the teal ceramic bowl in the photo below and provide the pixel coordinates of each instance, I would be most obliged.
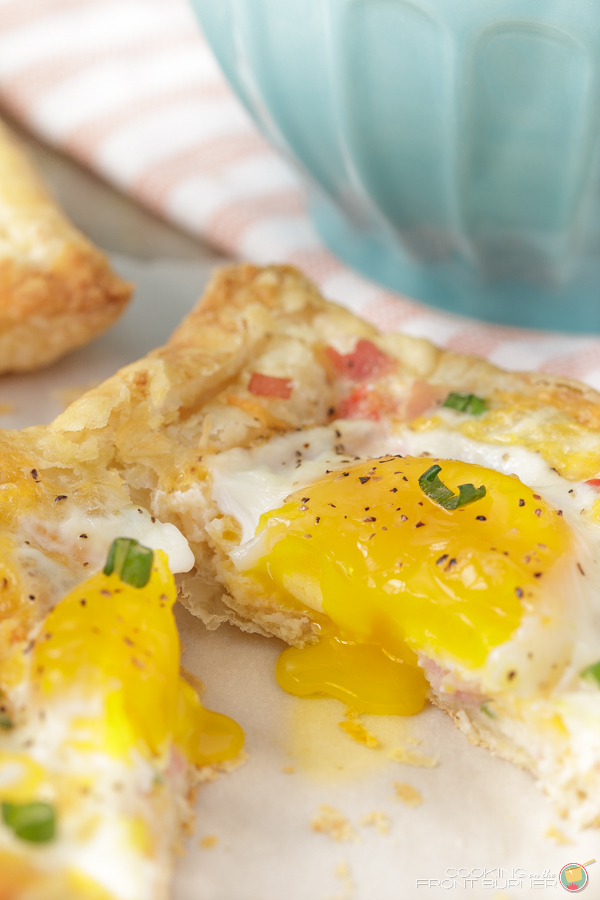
(453, 146)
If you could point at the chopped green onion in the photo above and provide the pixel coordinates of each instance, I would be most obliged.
(131, 561)
(5, 722)
(486, 709)
(437, 491)
(467, 403)
(592, 672)
(35, 822)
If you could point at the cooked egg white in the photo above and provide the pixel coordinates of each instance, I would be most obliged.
(92, 534)
(329, 525)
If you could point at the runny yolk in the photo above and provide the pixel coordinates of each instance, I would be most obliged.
(110, 640)
(395, 574)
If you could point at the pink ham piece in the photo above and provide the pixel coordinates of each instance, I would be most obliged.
(366, 362)
(422, 397)
(269, 386)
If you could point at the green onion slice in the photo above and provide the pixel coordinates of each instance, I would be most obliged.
(592, 672)
(34, 822)
(467, 403)
(131, 561)
(437, 491)
(5, 722)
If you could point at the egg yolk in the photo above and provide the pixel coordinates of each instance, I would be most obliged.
(109, 639)
(394, 574)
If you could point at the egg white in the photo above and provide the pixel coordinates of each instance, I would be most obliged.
(101, 529)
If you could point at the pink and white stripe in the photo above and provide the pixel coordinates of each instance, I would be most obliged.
(131, 89)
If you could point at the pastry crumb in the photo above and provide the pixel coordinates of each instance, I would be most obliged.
(413, 758)
(556, 835)
(6, 408)
(331, 821)
(288, 770)
(211, 771)
(409, 795)
(360, 734)
(209, 841)
(378, 820)
(343, 873)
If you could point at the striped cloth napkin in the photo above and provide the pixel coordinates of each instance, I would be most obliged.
(131, 89)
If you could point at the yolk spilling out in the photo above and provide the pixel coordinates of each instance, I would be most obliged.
(120, 642)
(396, 574)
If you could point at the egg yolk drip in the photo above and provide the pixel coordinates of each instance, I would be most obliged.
(395, 574)
(110, 639)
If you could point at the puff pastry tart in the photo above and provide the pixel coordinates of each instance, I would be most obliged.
(102, 744)
(413, 523)
(57, 291)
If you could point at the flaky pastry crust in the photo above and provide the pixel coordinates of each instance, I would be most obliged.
(155, 423)
(57, 291)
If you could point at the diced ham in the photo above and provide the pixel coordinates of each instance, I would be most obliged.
(361, 403)
(422, 397)
(594, 482)
(449, 687)
(366, 362)
(269, 386)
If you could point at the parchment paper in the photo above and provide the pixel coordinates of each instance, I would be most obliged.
(254, 839)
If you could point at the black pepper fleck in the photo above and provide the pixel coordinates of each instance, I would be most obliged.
(521, 503)
(481, 518)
